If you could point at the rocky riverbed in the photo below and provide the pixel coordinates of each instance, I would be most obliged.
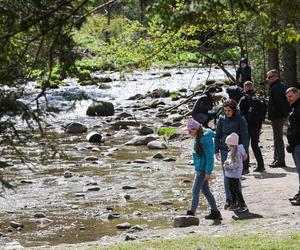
(113, 185)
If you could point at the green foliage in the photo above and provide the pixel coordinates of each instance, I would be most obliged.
(165, 131)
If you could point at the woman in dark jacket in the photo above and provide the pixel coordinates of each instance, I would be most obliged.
(243, 73)
(230, 122)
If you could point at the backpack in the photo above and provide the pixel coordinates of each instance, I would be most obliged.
(235, 93)
(257, 109)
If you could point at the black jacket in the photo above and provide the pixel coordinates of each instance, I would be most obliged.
(203, 104)
(278, 106)
(243, 75)
(293, 132)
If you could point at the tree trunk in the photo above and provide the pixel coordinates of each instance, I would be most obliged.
(289, 61)
(142, 9)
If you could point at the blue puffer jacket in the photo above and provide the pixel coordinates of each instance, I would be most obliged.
(205, 163)
(226, 126)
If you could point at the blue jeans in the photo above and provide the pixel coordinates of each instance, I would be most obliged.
(226, 183)
(201, 185)
(296, 157)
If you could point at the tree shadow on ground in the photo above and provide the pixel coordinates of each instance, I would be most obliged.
(266, 175)
(246, 216)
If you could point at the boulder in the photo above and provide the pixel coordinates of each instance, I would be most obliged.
(156, 145)
(141, 140)
(75, 127)
(186, 221)
(68, 174)
(146, 130)
(124, 225)
(129, 237)
(39, 215)
(94, 137)
(101, 108)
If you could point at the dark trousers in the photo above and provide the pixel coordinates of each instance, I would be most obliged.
(277, 126)
(235, 190)
(254, 133)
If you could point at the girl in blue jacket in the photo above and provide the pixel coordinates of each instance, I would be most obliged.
(203, 155)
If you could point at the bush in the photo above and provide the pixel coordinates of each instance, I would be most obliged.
(165, 131)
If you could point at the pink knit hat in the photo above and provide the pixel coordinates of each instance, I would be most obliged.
(192, 124)
(232, 139)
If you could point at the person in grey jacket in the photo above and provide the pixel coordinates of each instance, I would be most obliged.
(278, 111)
(231, 122)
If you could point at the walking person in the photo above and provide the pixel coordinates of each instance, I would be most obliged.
(254, 110)
(293, 134)
(203, 155)
(243, 73)
(278, 110)
(233, 172)
(230, 122)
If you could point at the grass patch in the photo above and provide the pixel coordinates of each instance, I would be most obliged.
(164, 131)
(237, 241)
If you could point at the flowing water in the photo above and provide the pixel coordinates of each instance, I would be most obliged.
(76, 213)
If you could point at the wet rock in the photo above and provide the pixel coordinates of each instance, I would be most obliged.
(146, 130)
(92, 189)
(91, 158)
(129, 237)
(79, 195)
(169, 159)
(15, 224)
(75, 127)
(124, 115)
(68, 174)
(186, 221)
(141, 140)
(101, 108)
(94, 137)
(127, 196)
(128, 187)
(113, 216)
(158, 156)
(140, 161)
(39, 215)
(136, 97)
(125, 225)
(156, 145)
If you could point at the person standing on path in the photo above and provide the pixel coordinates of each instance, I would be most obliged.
(203, 155)
(254, 110)
(230, 122)
(278, 110)
(243, 73)
(293, 134)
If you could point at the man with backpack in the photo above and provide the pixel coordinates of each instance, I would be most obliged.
(254, 109)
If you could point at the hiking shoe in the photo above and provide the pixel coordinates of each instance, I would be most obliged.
(259, 169)
(190, 212)
(295, 197)
(227, 205)
(214, 215)
(278, 165)
(245, 171)
(243, 208)
(232, 207)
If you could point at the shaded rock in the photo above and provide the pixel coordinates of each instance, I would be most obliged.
(141, 140)
(158, 156)
(101, 108)
(79, 195)
(156, 145)
(91, 189)
(166, 74)
(176, 124)
(159, 93)
(91, 158)
(125, 225)
(75, 127)
(169, 159)
(39, 215)
(186, 221)
(124, 115)
(137, 214)
(92, 183)
(186, 181)
(127, 196)
(146, 130)
(94, 137)
(26, 182)
(136, 97)
(113, 216)
(129, 237)
(128, 187)
(15, 224)
(140, 161)
(68, 174)
(177, 118)
(81, 228)
(155, 103)
(137, 228)
(105, 79)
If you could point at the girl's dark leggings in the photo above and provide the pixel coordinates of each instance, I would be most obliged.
(235, 190)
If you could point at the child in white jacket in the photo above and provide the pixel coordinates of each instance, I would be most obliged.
(233, 171)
